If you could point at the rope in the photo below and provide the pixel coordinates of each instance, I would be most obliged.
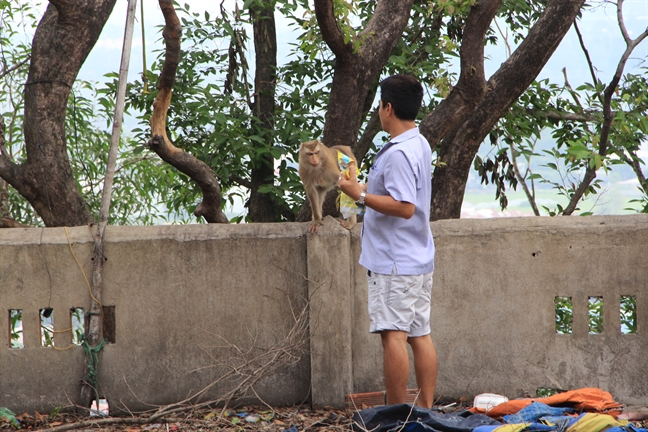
(81, 267)
(92, 356)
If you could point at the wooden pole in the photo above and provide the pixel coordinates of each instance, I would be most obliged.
(94, 333)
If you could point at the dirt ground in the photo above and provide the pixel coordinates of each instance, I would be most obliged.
(244, 419)
(239, 420)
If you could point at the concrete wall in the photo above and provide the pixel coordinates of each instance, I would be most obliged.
(185, 296)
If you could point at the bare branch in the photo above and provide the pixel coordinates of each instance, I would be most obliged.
(243, 370)
(562, 116)
(590, 175)
(587, 56)
(8, 169)
(608, 115)
(571, 91)
(14, 67)
(370, 131)
(522, 181)
(622, 26)
(633, 161)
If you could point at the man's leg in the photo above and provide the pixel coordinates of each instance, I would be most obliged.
(396, 365)
(425, 366)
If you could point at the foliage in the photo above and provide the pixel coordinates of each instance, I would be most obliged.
(214, 119)
(564, 315)
(142, 184)
(546, 392)
(17, 20)
(628, 309)
(15, 328)
(595, 315)
(77, 318)
(574, 144)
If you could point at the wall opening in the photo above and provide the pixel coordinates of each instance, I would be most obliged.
(564, 315)
(547, 391)
(77, 324)
(628, 314)
(101, 409)
(16, 329)
(595, 314)
(47, 327)
(109, 325)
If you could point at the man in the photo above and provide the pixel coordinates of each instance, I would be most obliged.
(397, 244)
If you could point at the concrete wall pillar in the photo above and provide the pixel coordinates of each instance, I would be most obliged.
(329, 261)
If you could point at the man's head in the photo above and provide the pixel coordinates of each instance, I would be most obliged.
(405, 95)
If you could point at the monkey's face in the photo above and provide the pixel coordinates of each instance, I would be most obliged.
(313, 157)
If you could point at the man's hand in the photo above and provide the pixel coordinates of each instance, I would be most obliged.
(348, 183)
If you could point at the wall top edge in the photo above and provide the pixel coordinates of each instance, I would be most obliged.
(291, 230)
(462, 227)
(181, 233)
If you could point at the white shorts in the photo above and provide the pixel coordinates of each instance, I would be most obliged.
(398, 302)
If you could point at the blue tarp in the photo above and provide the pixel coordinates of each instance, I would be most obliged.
(537, 417)
(415, 419)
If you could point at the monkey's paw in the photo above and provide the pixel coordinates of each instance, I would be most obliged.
(314, 226)
(348, 223)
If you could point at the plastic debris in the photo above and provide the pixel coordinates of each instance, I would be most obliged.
(487, 401)
(5, 413)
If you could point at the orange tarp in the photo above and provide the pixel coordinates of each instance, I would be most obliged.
(585, 399)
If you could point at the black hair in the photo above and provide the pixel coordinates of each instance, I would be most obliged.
(404, 93)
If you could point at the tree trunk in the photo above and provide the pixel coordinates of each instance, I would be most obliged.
(356, 71)
(261, 207)
(463, 134)
(4, 186)
(64, 37)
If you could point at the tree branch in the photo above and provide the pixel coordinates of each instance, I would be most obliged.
(624, 31)
(357, 71)
(530, 196)
(478, 118)
(587, 56)
(633, 161)
(471, 86)
(331, 32)
(16, 66)
(562, 116)
(608, 115)
(370, 132)
(197, 170)
(588, 178)
(8, 169)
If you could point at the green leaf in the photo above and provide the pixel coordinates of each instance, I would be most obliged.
(578, 151)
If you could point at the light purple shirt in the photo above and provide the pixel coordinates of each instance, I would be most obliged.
(403, 170)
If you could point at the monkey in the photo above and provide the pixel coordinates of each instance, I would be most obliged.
(319, 172)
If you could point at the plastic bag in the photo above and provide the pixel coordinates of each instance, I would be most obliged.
(346, 204)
